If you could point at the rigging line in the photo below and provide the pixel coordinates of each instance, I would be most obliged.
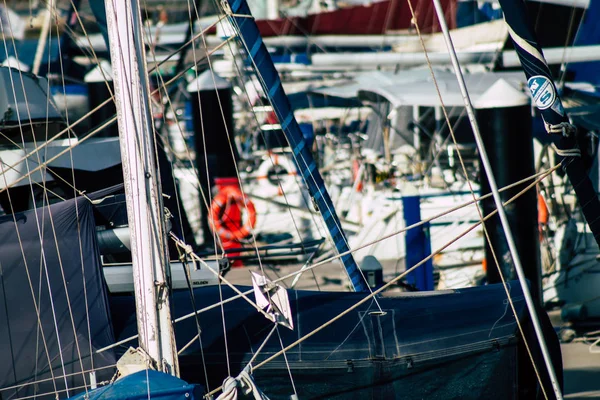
(499, 207)
(303, 32)
(59, 154)
(93, 52)
(155, 134)
(564, 60)
(55, 137)
(497, 53)
(29, 280)
(55, 392)
(381, 289)
(166, 143)
(38, 184)
(184, 260)
(231, 149)
(540, 176)
(78, 221)
(479, 212)
(49, 379)
(75, 335)
(388, 20)
(329, 210)
(157, 221)
(287, 364)
(275, 324)
(262, 84)
(107, 101)
(70, 32)
(216, 238)
(54, 174)
(83, 139)
(229, 137)
(43, 258)
(182, 256)
(305, 163)
(219, 275)
(270, 156)
(37, 336)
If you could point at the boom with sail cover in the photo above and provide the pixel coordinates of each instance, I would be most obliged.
(548, 102)
(241, 18)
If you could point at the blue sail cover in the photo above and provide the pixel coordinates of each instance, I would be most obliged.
(146, 384)
(547, 100)
(33, 251)
(242, 20)
(460, 344)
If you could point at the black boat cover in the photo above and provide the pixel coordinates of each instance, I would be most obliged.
(44, 323)
(24, 97)
(460, 344)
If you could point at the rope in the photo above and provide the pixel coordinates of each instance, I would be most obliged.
(89, 134)
(43, 254)
(574, 152)
(565, 129)
(243, 382)
(329, 211)
(212, 217)
(183, 257)
(83, 275)
(271, 159)
(542, 175)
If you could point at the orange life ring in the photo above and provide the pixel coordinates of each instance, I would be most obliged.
(543, 215)
(225, 211)
(355, 177)
(542, 210)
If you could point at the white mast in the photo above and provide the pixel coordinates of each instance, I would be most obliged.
(144, 205)
(498, 201)
(39, 53)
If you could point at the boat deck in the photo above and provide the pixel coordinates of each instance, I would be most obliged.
(581, 368)
(581, 372)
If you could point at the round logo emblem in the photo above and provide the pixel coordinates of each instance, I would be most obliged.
(542, 91)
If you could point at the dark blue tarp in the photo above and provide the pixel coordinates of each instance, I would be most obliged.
(44, 256)
(433, 345)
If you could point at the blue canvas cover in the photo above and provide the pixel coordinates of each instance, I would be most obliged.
(455, 344)
(47, 257)
(148, 384)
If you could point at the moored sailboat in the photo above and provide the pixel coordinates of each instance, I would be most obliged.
(387, 346)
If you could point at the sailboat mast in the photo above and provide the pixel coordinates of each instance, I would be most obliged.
(142, 190)
(498, 202)
(548, 102)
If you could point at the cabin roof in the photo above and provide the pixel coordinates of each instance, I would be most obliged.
(23, 98)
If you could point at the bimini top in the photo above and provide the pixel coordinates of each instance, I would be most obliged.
(416, 87)
(24, 98)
